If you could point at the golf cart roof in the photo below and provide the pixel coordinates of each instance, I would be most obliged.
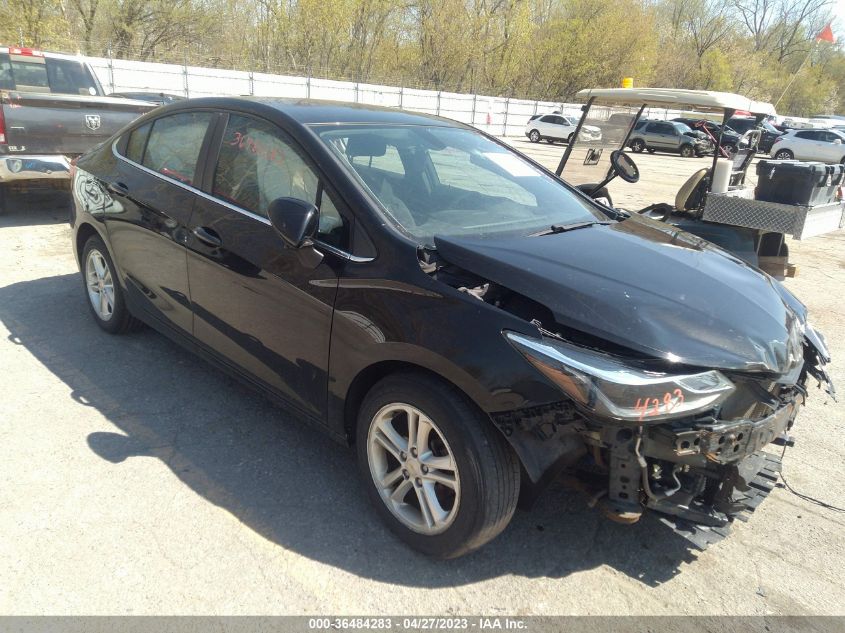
(702, 100)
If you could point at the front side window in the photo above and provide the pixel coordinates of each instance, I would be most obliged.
(257, 164)
(455, 182)
(174, 145)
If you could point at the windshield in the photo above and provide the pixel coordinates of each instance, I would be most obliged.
(683, 128)
(452, 181)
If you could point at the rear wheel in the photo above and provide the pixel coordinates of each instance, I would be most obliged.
(637, 145)
(730, 148)
(438, 473)
(534, 136)
(687, 150)
(105, 297)
(784, 154)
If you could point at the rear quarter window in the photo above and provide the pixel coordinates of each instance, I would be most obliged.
(137, 143)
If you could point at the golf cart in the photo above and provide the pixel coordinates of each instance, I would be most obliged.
(792, 198)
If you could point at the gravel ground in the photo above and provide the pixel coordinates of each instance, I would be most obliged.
(138, 480)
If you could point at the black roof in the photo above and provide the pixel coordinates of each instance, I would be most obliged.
(313, 111)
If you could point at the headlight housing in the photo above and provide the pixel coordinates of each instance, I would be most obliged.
(618, 390)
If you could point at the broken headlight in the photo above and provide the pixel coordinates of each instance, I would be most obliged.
(616, 389)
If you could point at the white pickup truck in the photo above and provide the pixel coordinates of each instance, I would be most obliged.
(52, 108)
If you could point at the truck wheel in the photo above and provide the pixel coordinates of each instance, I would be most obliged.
(534, 136)
(637, 145)
(784, 154)
(441, 477)
(687, 151)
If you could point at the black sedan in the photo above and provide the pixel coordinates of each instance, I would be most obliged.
(472, 324)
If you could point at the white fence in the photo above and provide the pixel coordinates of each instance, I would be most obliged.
(496, 115)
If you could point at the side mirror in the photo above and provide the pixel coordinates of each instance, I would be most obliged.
(837, 141)
(295, 220)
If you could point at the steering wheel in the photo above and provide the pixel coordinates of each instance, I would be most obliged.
(624, 167)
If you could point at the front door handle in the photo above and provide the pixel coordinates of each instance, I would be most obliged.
(208, 236)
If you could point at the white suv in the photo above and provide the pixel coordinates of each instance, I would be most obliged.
(556, 127)
(827, 146)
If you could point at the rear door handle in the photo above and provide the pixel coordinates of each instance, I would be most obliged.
(208, 236)
(118, 188)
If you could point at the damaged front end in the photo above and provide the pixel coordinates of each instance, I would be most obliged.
(686, 444)
(676, 366)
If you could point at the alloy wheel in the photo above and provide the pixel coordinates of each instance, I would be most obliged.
(98, 279)
(413, 468)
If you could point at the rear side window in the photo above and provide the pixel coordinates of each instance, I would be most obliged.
(810, 136)
(137, 143)
(257, 164)
(31, 73)
(174, 145)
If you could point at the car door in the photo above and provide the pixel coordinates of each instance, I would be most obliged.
(806, 145)
(264, 308)
(547, 126)
(154, 187)
(832, 150)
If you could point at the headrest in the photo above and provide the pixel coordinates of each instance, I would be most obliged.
(365, 145)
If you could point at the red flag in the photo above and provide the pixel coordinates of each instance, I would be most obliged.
(826, 35)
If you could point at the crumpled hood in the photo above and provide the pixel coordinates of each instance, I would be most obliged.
(649, 287)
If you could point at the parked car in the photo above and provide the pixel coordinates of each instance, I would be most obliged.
(669, 136)
(159, 98)
(557, 127)
(338, 257)
(730, 138)
(52, 108)
(827, 146)
(768, 131)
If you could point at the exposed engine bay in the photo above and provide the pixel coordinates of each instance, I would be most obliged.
(700, 465)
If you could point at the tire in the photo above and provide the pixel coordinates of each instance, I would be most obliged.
(534, 136)
(550, 141)
(481, 498)
(569, 138)
(650, 150)
(784, 154)
(638, 145)
(687, 150)
(730, 148)
(114, 318)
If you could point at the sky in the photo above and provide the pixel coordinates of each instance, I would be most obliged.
(839, 20)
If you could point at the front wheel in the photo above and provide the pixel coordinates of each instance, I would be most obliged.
(534, 136)
(570, 138)
(438, 473)
(637, 145)
(105, 296)
(687, 151)
(784, 154)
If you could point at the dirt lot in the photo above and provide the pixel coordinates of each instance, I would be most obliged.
(139, 480)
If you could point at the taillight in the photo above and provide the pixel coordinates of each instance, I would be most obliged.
(30, 52)
(2, 126)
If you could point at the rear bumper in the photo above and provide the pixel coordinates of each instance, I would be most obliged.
(38, 167)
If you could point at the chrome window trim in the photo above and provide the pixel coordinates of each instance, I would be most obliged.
(260, 218)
